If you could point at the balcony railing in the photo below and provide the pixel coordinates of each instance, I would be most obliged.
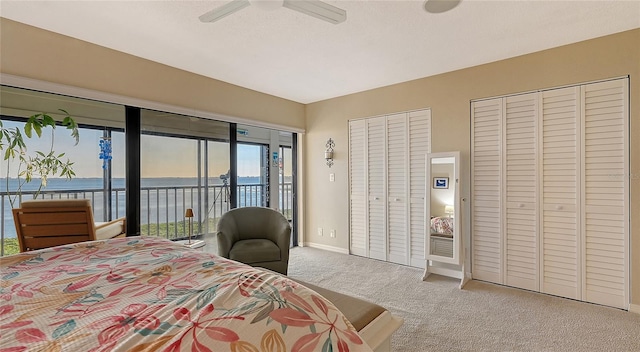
(162, 208)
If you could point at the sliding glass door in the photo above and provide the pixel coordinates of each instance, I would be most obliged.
(185, 163)
(253, 175)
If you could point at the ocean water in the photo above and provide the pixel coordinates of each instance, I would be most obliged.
(163, 200)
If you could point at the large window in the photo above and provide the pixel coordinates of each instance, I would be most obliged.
(96, 121)
(185, 163)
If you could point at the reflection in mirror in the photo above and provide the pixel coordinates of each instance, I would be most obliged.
(443, 214)
(442, 207)
(443, 242)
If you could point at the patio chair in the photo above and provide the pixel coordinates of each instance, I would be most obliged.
(256, 236)
(48, 223)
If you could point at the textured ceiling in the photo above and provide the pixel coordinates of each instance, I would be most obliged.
(301, 58)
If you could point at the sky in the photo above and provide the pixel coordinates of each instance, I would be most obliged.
(161, 156)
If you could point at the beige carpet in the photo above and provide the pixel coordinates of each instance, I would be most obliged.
(482, 317)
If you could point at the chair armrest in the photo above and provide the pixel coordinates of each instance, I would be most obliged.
(225, 241)
(283, 240)
(104, 224)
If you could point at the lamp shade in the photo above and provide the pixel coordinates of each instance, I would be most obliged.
(448, 209)
(188, 213)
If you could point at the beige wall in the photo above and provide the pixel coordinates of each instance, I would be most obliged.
(34, 53)
(448, 95)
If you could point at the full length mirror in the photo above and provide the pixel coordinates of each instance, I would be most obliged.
(443, 208)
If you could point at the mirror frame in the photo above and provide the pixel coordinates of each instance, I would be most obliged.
(457, 239)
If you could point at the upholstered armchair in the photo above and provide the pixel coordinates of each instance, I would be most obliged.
(54, 222)
(256, 236)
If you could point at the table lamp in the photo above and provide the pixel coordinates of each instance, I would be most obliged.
(189, 215)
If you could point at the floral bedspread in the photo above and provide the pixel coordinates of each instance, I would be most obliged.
(149, 294)
(442, 225)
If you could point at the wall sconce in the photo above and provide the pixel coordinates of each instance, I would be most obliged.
(189, 215)
(328, 153)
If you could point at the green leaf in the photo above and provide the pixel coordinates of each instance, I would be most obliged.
(38, 128)
(327, 347)
(48, 121)
(207, 296)
(28, 129)
(161, 329)
(264, 313)
(64, 329)
(11, 275)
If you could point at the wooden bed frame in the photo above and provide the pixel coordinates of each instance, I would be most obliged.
(377, 334)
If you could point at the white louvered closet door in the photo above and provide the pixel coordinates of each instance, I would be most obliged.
(419, 146)
(357, 188)
(562, 176)
(486, 186)
(397, 189)
(520, 217)
(606, 193)
(376, 187)
(560, 252)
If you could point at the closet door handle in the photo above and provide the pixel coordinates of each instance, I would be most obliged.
(559, 207)
(396, 199)
(521, 205)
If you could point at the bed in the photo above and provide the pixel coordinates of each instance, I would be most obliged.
(150, 294)
(442, 226)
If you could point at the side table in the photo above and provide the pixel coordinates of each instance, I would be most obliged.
(195, 244)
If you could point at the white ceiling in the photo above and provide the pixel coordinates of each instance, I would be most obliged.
(301, 58)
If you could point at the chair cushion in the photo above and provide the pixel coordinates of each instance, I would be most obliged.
(254, 251)
(109, 231)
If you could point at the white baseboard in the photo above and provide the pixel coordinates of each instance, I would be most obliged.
(634, 308)
(325, 247)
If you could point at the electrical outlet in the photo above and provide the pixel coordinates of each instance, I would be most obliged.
(319, 231)
(333, 233)
(332, 177)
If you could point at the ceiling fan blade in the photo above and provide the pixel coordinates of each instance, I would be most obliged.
(224, 10)
(317, 9)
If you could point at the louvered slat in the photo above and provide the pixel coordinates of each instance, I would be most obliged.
(560, 202)
(520, 149)
(605, 193)
(419, 146)
(397, 188)
(357, 186)
(376, 166)
(486, 117)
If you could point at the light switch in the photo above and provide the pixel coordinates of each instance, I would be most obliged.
(332, 177)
